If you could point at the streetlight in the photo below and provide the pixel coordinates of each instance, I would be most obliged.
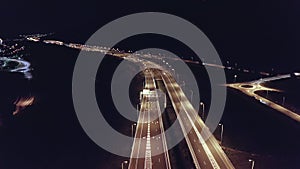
(123, 164)
(132, 128)
(222, 130)
(235, 76)
(203, 109)
(252, 163)
(173, 71)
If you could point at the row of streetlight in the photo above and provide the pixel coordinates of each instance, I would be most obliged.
(171, 68)
(133, 126)
(124, 163)
(222, 132)
(220, 124)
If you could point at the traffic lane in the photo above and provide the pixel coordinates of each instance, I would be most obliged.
(158, 161)
(139, 147)
(199, 152)
(201, 155)
(143, 137)
(211, 142)
(197, 146)
(157, 146)
(159, 133)
(150, 84)
(214, 146)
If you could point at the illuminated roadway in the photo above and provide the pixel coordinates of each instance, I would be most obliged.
(249, 88)
(206, 154)
(149, 136)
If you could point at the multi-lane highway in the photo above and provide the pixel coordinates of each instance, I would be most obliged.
(206, 153)
(149, 136)
(149, 149)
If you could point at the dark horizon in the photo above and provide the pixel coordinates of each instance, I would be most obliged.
(261, 34)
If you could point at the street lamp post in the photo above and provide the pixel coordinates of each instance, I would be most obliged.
(132, 129)
(235, 76)
(123, 164)
(174, 72)
(203, 109)
(252, 163)
(222, 130)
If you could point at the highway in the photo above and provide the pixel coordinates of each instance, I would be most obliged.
(206, 154)
(149, 150)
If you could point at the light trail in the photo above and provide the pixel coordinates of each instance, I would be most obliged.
(162, 130)
(210, 149)
(22, 103)
(134, 57)
(11, 59)
(208, 152)
(15, 65)
(152, 148)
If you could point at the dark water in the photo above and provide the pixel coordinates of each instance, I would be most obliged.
(48, 134)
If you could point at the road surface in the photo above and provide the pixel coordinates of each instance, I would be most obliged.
(249, 88)
(150, 141)
(206, 154)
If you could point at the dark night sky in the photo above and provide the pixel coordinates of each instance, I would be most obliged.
(257, 34)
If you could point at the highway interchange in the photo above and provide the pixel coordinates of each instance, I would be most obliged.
(250, 89)
(149, 137)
